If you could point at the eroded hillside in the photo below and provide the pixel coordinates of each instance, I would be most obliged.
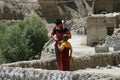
(49, 10)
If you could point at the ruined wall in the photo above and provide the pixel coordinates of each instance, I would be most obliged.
(97, 27)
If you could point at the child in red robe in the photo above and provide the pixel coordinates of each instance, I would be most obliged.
(65, 53)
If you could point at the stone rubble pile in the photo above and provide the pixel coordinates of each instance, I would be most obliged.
(101, 49)
(112, 41)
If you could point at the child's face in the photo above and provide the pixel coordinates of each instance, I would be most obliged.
(60, 26)
(65, 38)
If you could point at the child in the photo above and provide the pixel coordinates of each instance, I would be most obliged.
(65, 53)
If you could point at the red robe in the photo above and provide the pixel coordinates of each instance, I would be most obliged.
(64, 60)
(64, 56)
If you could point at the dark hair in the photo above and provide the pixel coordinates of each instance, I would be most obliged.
(58, 21)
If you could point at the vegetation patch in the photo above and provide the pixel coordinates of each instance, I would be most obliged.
(23, 40)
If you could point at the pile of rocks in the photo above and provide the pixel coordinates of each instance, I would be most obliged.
(112, 41)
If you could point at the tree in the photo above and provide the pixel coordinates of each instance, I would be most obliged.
(24, 40)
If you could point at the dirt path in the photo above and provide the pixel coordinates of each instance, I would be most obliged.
(79, 46)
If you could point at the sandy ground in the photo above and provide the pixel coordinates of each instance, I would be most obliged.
(78, 43)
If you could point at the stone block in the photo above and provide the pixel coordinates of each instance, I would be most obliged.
(116, 48)
(101, 49)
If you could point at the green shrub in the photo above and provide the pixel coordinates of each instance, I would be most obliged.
(2, 31)
(37, 33)
(2, 59)
(24, 40)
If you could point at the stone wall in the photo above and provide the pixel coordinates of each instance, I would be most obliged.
(35, 70)
(101, 59)
(43, 64)
(97, 27)
(10, 73)
(45, 69)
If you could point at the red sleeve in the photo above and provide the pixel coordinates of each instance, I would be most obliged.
(68, 32)
(53, 32)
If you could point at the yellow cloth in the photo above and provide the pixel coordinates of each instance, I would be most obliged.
(65, 45)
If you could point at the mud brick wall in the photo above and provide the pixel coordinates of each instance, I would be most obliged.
(97, 27)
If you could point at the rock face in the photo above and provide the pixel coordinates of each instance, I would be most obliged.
(9, 10)
(48, 10)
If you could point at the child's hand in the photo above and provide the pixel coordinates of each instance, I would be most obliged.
(61, 41)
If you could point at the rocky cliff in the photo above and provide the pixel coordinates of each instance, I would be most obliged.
(49, 10)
